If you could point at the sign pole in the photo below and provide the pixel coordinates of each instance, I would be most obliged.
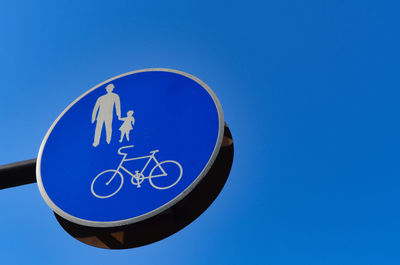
(17, 174)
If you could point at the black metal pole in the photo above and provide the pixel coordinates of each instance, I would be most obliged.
(19, 173)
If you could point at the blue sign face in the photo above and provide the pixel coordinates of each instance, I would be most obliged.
(130, 148)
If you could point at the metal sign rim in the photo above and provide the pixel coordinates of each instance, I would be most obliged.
(160, 209)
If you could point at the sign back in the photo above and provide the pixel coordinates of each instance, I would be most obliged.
(130, 147)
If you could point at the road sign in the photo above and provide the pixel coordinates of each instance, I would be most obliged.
(130, 148)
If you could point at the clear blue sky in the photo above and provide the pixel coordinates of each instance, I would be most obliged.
(310, 90)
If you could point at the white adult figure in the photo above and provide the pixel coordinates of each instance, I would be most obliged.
(104, 109)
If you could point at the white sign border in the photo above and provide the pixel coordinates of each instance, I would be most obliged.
(162, 208)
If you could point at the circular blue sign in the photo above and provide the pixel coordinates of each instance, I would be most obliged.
(130, 147)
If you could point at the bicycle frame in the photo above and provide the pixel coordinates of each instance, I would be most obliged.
(124, 159)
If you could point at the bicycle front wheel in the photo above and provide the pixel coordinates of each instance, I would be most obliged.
(173, 173)
(107, 184)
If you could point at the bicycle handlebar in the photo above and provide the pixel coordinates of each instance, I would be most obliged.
(124, 147)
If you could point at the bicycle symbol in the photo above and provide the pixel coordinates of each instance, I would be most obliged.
(104, 179)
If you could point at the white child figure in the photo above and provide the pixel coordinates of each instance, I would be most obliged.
(126, 127)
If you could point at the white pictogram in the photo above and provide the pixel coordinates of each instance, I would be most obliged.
(126, 127)
(105, 178)
(103, 113)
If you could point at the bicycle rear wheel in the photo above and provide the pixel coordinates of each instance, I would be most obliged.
(103, 188)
